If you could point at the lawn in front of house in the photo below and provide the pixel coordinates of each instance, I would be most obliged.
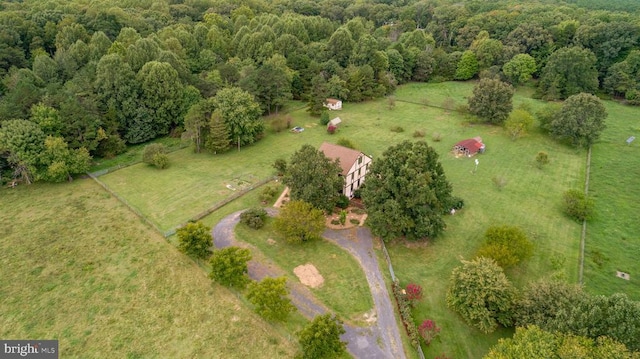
(345, 289)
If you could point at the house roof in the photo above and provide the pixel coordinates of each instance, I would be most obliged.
(346, 155)
(472, 144)
(332, 100)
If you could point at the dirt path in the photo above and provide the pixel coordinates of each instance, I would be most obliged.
(379, 341)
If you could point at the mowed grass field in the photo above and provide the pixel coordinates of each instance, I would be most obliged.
(345, 290)
(79, 267)
(530, 199)
(613, 237)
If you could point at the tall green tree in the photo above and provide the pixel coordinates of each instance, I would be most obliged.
(196, 123)
(273, 81)
(161, 96)
(194, 239)
(217, 138)
(481, 293)
(314, 178)
(569, 71)
(340, 46)
(269, 296)
(492, 100)
(581, 120)
(407, 192)
(520, 68)
(118, 92)
(467, 66)
(320, 339)
(241, 114)
(22, 142)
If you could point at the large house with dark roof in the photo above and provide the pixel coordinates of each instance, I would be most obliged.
(354, 164)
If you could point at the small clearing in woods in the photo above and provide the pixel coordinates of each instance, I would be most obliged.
(309, 275)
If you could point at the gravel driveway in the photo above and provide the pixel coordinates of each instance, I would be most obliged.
(379, 341)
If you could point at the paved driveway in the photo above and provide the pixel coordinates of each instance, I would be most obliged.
(378, 341)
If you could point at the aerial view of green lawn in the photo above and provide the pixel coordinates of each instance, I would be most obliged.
(528, 197)
(100, 281)
(505, 187)
(613, 236)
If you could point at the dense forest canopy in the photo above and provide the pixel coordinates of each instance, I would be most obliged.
(102, 74)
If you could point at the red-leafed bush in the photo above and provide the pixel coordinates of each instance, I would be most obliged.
(414, 293)
(428, 331)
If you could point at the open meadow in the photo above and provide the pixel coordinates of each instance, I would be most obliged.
(79, 267)
(613, 236)
(527, 196)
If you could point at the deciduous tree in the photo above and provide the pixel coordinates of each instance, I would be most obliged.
(492, 100)
(241, 114)
(507, 245)
(518, 123)
(520, 68)
(60, 162)
(481, 293)
(569, 71)
(320, 339)
(407, 192)
(269, 296)
(229, 266)
(313, 178)
(581, 120)
(194, 239)
(300, 222)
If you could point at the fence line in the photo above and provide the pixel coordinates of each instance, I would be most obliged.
(124, 201)
(119, 166)
(395, 279)
(220, 204)
(583, 235)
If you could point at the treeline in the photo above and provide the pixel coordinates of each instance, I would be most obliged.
(103, 74)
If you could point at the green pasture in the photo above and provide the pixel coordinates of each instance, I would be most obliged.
(530, 197)
(79, 267)
(345, 290)
(613, 237)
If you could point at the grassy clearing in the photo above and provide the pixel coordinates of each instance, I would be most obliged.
(530, 199)
(613, 239)
(79, 267)
(345, 290)
(133, 154)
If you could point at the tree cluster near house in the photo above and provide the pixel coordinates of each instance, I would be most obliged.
(112, 73)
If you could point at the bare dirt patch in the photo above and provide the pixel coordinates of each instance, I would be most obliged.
(309, 275)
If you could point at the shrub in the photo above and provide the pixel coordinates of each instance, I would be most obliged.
(155, 154)
(278, 124)
(542, 158)
(343, 217)
(335, 222)
(229, 266)
(507, 245)
(577, 205)
(414, 293)
(418, 133)
(281, 166)
(268, 193)
(499, 181)
(324, 118)
(405, 314)
(354, 221)
(345, 142)
(254, 217)
(331, 129)
(194, 239)
(342, 202)
(397, 129)
(160, 160)
(428, 331)
(457, 203)
(300, 222)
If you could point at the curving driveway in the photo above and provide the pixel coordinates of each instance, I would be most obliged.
(379, 341)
